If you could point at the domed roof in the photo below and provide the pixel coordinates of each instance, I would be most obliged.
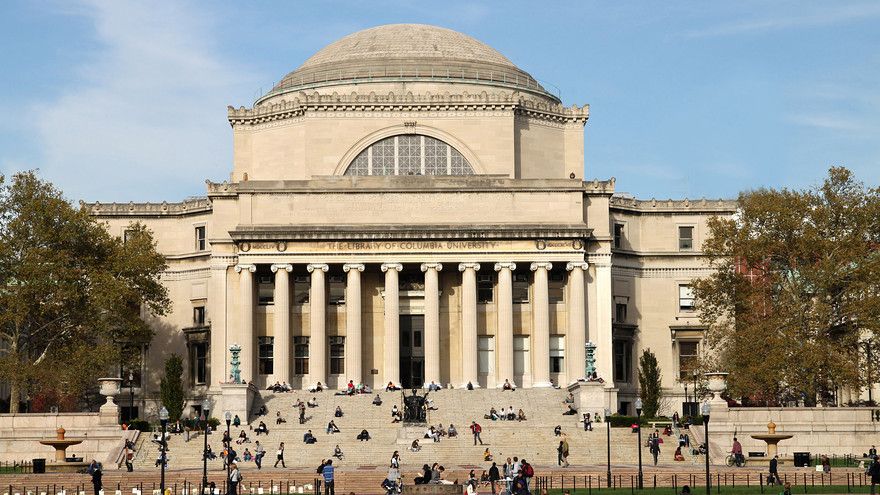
(407, 52)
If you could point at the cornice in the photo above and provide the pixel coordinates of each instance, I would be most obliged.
(703, 205)
(191, 206)
(662, 272)
(576, 233)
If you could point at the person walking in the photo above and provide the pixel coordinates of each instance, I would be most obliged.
(328, 478)
(476, 429)
(259, 453)
(234, 478)
(655, 448)
(494, 476)
(565, 452)
(280, 456)
(874, 473)
(97, 474)
(737, 452)
(774, 470)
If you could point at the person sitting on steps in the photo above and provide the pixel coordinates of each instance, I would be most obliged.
(363, 436)
(313, 402)
(308, 438)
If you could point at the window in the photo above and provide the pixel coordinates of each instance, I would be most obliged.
(410, 154)
(301, 286)
(265, 348)
(486, 355)
(618, 235)
(687, 357)
(620, 312)
(199, 315)
(520, 288)
(686, 300)
(685, 238)
(557, 353)
(337, 355)
(485, 284)
(521, 363)
(337, 289)
(265, 289)
(622, 360)
(201, 243)
(200, 363)
(300, 356)
(127, 234)
(556, 286)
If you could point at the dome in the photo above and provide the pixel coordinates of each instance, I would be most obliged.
(407, 53)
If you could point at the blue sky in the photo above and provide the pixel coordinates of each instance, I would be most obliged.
(118, 101)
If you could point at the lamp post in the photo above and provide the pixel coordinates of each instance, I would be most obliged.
(608, 444)
(130, 395)
(228, 445)
(204, 417)
(706, 434)
(686, 408)
(694, 399)
(639, 430)
(163, 418)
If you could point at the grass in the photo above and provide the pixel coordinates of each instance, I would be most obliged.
(725, 490)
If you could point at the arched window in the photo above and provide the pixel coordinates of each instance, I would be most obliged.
(409, 154)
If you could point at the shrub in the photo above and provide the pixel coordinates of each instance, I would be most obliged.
(140, 425)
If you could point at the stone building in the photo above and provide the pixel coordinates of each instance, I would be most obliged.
(409, 206)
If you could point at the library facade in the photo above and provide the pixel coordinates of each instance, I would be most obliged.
(408, 206)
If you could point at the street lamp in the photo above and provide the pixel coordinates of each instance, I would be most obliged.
(706, 434)
(686, 407)
(130, 395)
(694, 399)
(163, 418)
(204, 417)
(639, 430)
(228, 445)
(608, 427)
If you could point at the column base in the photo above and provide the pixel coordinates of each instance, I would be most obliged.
(542, 385)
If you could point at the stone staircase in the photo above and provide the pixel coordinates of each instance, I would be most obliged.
(532, 439)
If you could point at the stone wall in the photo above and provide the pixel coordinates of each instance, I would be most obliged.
(20, 435)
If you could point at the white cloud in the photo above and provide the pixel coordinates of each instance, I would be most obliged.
(144, 116)
(792, 19)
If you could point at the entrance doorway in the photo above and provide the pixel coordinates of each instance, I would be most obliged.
(412, 351)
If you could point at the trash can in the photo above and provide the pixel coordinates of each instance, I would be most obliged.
(801, 459)
(39, 466)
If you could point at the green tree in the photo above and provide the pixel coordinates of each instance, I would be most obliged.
(68, 289)
(795, 296)
(171, 387)
(650, 389)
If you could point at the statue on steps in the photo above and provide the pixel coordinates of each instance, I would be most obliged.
(414, 408)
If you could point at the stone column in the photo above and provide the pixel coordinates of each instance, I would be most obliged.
(603, 337)
(281, 349)
(217, 309)
(391, 344)
(353, 339)
(245, 335)
(432, 322)
(504, 310)
(469, 353)
(317, 325)
(577, 321)
(541, 325)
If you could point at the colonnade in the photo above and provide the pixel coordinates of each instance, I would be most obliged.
(243, 332)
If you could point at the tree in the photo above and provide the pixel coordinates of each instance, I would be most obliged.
(171, 387)
(650, 389)
(796, 291)
(67, 285)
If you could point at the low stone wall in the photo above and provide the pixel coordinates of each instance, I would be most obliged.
(20, 435)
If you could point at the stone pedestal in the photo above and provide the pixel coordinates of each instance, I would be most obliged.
(108, 414)
(235, 398)
(593, 397)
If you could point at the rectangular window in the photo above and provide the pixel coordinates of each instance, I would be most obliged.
(485, 285)
(265, 289)
(520, 288)
(199, 315)
(556, 286)
(127, 235)
(620, 312)
(486, 355)
(622, 360)
(301, 286)
(300, 356)
(557, 353)
(521, 363)
(688, 352)
(201, 242)
(337, 355)
(618, 235)
(685, 238)
(200, 363)
(265, 350)
(686, 300)
(337, 289)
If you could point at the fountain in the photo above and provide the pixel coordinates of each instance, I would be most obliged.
(61, 464)
(772, 438)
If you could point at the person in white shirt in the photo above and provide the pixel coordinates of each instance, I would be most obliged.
(503, 415)
(234, 479)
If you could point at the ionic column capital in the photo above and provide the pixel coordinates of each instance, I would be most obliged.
(282, 266)
(546, 265)
(317, 266)
(436, 266)
(391, 266)
(464, 266)
(250, 268)
(583, 265)
(353, 266)
(509, 266)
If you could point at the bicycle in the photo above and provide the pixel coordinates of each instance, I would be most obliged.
(730, 461)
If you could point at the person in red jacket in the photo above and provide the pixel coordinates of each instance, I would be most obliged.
(476, 430)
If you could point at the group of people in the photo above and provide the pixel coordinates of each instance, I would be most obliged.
(508, 414)
(436, 432)
(279, 387)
